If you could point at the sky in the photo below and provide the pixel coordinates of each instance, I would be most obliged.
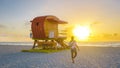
(15, 15)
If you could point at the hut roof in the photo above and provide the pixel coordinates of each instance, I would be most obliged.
(49, 18)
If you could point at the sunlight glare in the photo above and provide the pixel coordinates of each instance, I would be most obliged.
(81, 32)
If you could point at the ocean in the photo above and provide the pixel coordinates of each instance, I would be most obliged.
(98, 44)
(17, 43)
(101, 44)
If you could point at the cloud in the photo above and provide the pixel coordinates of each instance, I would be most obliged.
(27, 23)
(2, 26)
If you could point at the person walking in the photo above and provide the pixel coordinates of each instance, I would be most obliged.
(73, 45)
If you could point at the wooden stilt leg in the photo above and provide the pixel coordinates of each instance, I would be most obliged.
(35, 41)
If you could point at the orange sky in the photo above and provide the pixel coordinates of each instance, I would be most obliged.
(102, 15)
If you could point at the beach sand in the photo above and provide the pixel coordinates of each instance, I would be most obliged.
(88, 57)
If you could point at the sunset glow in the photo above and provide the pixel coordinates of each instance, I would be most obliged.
(81, 32)
(98, 20)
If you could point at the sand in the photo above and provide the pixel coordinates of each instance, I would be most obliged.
(88, 57)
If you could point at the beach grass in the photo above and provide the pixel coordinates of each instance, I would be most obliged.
(43, 50)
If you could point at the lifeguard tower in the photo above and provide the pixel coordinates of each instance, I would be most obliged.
(45, 28)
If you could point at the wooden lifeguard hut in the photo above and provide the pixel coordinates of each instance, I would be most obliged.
(46, 28)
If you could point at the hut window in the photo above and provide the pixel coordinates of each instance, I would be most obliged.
(37, 23)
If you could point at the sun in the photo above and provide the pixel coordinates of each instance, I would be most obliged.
(81, 32)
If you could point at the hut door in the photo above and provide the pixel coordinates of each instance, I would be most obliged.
(51, 34)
